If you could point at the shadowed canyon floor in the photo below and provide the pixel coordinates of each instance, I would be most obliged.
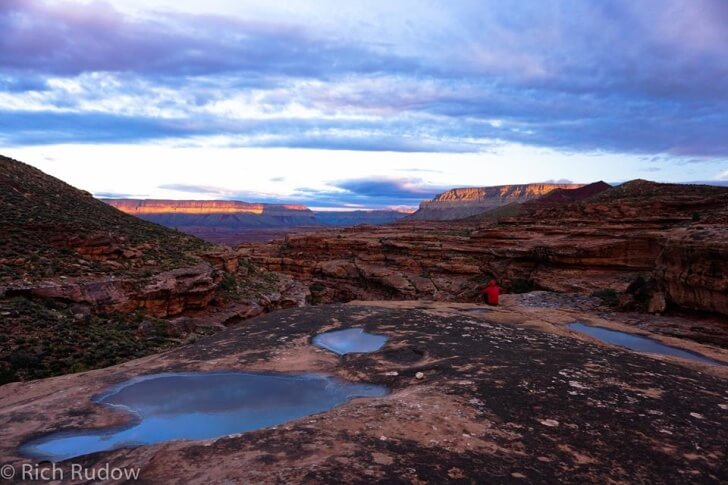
(498, 395)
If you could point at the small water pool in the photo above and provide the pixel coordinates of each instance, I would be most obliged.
(479, 309)
(639, 343)
(351, 340)
(198, 406)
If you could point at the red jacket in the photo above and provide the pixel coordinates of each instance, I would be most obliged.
(492, 292)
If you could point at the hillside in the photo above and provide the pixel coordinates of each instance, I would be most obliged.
(83, 285)
(645, 200)
(51, 229)
(466, 202)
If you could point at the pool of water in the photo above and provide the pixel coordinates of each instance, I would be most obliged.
(199, 406)
(639, 343)
(351, 340)
(478, 310)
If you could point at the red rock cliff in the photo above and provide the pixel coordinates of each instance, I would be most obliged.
(467, 202)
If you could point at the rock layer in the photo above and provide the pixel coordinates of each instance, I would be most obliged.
(471, 201)
(190, 214)
(601, 243)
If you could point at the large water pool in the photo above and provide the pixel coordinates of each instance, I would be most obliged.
(197, 406)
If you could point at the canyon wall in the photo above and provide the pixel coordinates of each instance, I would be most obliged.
(673, 237)
(182, 214)
(466, 202)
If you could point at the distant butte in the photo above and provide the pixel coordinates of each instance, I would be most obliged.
(471, 201)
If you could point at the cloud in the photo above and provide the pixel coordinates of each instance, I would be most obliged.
(399, 188)
(367, 192)
(559, 181)
(195, 189)
(620, 76)
(118, 195)
(36, 39)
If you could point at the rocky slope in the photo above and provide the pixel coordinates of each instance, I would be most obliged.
(666, 244)
(467, 202)
(68, 262)
(510, 395)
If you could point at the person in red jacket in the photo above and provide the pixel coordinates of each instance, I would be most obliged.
(491, 293)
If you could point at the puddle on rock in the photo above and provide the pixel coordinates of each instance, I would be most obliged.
(351, 340)
(477, 310)
(639, 343)
(198, 406)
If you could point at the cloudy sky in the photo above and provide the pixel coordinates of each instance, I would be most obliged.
(370, 103)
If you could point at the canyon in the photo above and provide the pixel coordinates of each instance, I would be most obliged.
(92, 297)
(649, 246)
(232, 222)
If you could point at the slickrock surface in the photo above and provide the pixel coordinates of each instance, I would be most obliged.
(507, 394)
(471, 201)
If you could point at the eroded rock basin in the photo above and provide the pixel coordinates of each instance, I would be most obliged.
(198, 406)
(349, 341)
(639, 343)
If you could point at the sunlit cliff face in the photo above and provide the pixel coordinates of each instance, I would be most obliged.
(525, 191)
(139, 207)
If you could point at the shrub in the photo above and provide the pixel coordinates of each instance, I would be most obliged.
(7, 375)
(521, 285)
(317, 288)
(229, 283)
(608, 295)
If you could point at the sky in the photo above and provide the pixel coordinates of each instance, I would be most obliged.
(362, 104)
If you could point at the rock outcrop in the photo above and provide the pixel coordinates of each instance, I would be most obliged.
(673, 234)
(79, 277)
(471, 201)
